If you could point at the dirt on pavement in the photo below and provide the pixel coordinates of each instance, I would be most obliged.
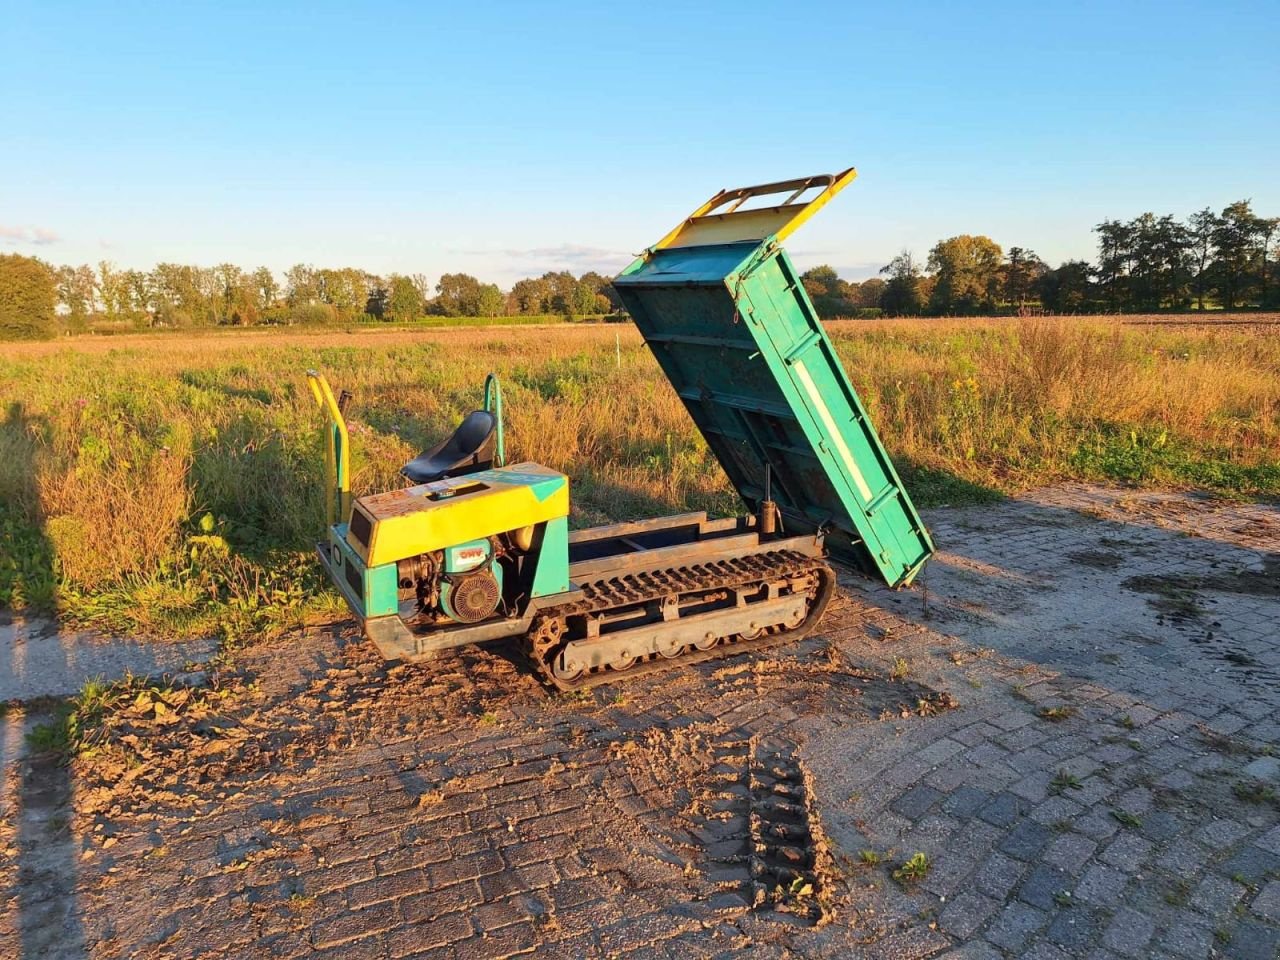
(1070, 720)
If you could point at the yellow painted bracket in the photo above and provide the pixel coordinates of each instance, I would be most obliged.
(710, 224)
(337, 454)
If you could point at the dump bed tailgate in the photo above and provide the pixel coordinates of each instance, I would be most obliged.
(737, 336)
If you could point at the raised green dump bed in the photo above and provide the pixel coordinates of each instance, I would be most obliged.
(723, 309)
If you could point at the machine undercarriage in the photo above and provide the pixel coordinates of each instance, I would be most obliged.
(641, 622)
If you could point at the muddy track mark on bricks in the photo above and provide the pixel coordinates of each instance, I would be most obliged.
(766, 850)
(826, 682)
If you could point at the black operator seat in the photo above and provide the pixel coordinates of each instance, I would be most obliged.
(469, 449)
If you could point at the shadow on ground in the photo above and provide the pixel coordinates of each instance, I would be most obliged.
(39, 864)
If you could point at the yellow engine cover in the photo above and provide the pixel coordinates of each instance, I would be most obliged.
(387, 527)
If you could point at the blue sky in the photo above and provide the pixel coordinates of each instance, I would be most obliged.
(505, 139)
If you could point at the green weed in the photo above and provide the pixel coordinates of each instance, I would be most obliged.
(1063, 780)
(800, 888)
(1127, 818)
(1245, 882)
(913, 870)
(1253, 791)
(74, 720)
(1056, 714)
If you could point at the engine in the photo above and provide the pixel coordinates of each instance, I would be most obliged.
(463, 583)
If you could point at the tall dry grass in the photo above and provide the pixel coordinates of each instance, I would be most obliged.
(174, 484)
(1012, 403)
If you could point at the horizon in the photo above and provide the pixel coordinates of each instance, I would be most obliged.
(530, 143)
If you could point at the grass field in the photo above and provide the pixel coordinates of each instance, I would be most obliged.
(123, 328)
(172, 486)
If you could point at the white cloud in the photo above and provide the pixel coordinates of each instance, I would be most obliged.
(860, 271)
(40, 236)
(576, 258)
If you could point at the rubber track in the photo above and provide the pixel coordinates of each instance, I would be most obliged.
(602, 595)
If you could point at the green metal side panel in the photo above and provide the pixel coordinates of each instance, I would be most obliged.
(382, 596)
(737, 336)
(552, 573)
(369, 591)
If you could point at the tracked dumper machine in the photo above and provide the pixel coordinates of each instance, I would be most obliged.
(476, 549)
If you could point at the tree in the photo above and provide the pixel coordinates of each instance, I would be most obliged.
(1267, 227)
(245, 299)
(264, 288)
(404, 299)
(1021, 273)
(901, 297)
(229, 279)
(137, 296)
(125, 294)
(113, 291)
(490, 302)
(1236, 242)
(1170, 244)
(868, 293)
(1200, 228)
(345, 289)
(607, 299)
(966, 273)
(302, 285)
(586, 301)
(28, 299)
(77, 289)
(529, 296)
(375, 304)
(424, 287)
(560, 289)
(462, 295)
(1158, 267)
(177, 295)
(831, 296)
(1115, 260)
(457, 295)
(1067, 289)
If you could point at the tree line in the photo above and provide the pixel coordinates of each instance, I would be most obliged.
(41, 300)
(1149, 263)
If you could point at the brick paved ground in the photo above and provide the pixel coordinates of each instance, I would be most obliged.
(1104, 786)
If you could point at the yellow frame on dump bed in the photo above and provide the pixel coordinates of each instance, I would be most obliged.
(704, 227)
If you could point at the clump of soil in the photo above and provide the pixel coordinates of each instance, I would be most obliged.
(154, 744)
(1097, 559)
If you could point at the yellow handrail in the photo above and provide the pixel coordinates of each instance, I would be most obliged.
(337, 455)
(704, 226)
